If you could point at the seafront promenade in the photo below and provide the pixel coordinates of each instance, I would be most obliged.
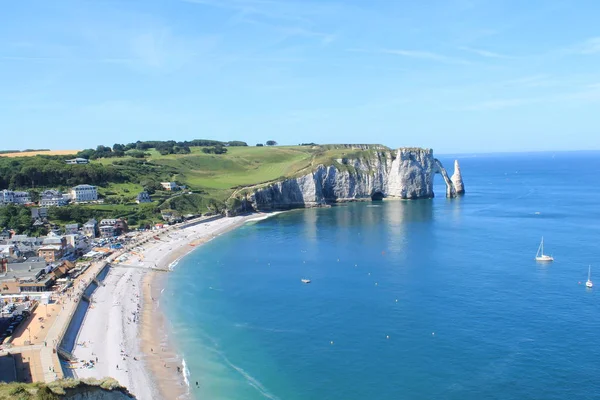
(42, 359)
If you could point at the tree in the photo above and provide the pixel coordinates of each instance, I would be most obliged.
(259, 145)
(118, 147)
(271, 143)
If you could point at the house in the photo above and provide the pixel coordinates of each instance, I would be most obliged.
(53, 198)
(108, 221)
(4, 234)
(53, 248)
(90, 228)
(9, 251)
(113, 227)
(26, 245)
(84, 193)
(39, 213)
(170, 186)
(77, 160)
(143, 197)
(50, 252)
(77, 242)
(71, 229)
(9, 196)
(107, 231)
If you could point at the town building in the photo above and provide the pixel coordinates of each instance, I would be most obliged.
(170, 186)
(12, 197)
(107, 231)
(71, 229)
(32, 275)
(84, 193)
(39, 212)
(53, 248)
(113, 227)
(53, 198)
(90, 228)
(143, 197)
(27, 245)
(77, 160)
(9, 251)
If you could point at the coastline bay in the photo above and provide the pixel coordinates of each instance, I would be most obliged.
(475, 315)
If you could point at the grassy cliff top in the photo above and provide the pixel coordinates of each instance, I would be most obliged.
(212, 178)
(218, 175)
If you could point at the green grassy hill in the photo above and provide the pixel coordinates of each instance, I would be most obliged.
(210, 178)
(217, 176)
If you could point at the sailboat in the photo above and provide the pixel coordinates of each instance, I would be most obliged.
(540, 256)
(589, 281)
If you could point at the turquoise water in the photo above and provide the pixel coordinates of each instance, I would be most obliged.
(452, 283)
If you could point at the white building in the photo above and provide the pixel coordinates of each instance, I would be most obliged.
(169, 185)
(8, 196)
(77, 161)
(83, 193)
(53, 198)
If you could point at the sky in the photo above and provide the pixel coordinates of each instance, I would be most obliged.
(458, 76)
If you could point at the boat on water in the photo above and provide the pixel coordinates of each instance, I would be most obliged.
(589, 281)
(305, 280)
(540, 256)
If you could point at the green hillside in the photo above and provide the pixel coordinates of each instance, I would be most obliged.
(210, 179)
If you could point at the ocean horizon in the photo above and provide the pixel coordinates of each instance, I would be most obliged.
(417, 299)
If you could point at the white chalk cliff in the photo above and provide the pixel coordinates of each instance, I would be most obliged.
(406, 173)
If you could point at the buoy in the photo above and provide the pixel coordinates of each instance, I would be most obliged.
(432, 333)
(396, 300)
(375, 283)
(331, 342)
(369, 273)
(387, 337)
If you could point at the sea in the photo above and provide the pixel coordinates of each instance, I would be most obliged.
(424, 299)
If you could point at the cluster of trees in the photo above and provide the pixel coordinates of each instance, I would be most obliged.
(218, 149)
(45, 171)
(164, 147)
(269, 143)
(15, 217)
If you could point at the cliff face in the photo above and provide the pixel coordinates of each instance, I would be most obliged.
(403, 173)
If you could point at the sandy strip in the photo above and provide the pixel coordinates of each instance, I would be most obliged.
(124, 327)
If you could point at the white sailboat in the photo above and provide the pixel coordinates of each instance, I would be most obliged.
(540, 256)
(589, 281)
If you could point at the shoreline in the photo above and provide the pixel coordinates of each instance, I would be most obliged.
(125, 332)
(157, 342)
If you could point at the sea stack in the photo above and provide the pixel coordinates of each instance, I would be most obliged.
(457, 180)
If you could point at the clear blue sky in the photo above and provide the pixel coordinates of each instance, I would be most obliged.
(454, 75)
